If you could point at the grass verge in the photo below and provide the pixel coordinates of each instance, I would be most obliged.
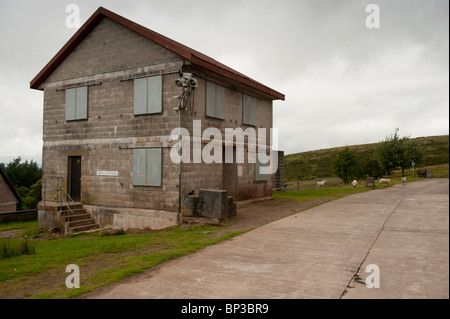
(437, 171)
(10, 247)
(102, 259)
(27, 224)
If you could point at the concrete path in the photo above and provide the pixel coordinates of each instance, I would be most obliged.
(320, 253)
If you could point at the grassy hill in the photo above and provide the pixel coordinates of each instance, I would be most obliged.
(319, 163)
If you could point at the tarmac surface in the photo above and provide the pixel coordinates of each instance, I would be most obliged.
(394, 239)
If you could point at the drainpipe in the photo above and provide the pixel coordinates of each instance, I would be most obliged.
(187, 83)
(179, 219)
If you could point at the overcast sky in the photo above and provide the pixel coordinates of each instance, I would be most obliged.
(344, 83)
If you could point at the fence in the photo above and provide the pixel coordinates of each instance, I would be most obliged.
(311, 183)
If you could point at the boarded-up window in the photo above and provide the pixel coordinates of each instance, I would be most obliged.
(258, 176)
(215, 100)
(249, 110)
(77, 103)
(147, 166)
(148, 95)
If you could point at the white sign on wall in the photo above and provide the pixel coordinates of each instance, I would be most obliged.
(107, 173)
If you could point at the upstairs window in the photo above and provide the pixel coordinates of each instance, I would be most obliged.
(249, 110)
(77, 103)
(147, 166)
(215, 100)
(148, 95)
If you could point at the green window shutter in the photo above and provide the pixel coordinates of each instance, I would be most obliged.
(258, 176)
(77, 103)
(220, 102)
(154, 158)
(147, 166)
(154, 94)
(210, 99)
(70, 104)
(215, 100)
(139, 167)
(249, 110)
(140, 96)
(148, 95)
(81, 103)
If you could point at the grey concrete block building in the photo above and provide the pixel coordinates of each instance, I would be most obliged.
(110, 105)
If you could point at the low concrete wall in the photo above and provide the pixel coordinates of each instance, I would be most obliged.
(48, 216)
(18, 215)
(49, 219)
(131, 218)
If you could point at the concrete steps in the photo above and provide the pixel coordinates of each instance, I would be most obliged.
(77, 220)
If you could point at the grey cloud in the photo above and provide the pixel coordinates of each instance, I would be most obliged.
(344, 84)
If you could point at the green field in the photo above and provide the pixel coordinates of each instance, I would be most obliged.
(319, 163)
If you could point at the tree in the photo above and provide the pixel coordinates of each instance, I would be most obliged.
(371, 167)
(411, 152)
(32, 197)
(26, 178)
(22, 174)
(345, 165)
(395, 152)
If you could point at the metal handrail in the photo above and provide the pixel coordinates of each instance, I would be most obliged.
(46, 191)
(60, 191)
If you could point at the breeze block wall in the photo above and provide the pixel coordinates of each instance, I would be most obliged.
(107, 61)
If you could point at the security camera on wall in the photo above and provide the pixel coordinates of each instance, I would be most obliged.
(181, 82)
(193, 82)
(186, 81)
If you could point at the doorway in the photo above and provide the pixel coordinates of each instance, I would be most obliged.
(74, 178)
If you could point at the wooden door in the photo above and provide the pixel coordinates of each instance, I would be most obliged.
(74, 178)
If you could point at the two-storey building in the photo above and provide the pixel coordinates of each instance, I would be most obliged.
(111, 102)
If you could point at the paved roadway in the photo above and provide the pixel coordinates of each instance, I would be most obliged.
(320, 253)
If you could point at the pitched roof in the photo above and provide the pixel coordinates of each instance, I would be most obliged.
(10, 185)
(193, 56)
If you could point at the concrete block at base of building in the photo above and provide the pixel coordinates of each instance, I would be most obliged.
(190, 204)
(131, 218)
(213, 205)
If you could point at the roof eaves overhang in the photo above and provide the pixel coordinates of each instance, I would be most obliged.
(236, 77)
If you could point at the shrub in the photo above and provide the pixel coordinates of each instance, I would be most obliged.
(16, 247)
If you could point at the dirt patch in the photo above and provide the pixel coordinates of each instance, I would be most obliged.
(259, 213)
(10, 233)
